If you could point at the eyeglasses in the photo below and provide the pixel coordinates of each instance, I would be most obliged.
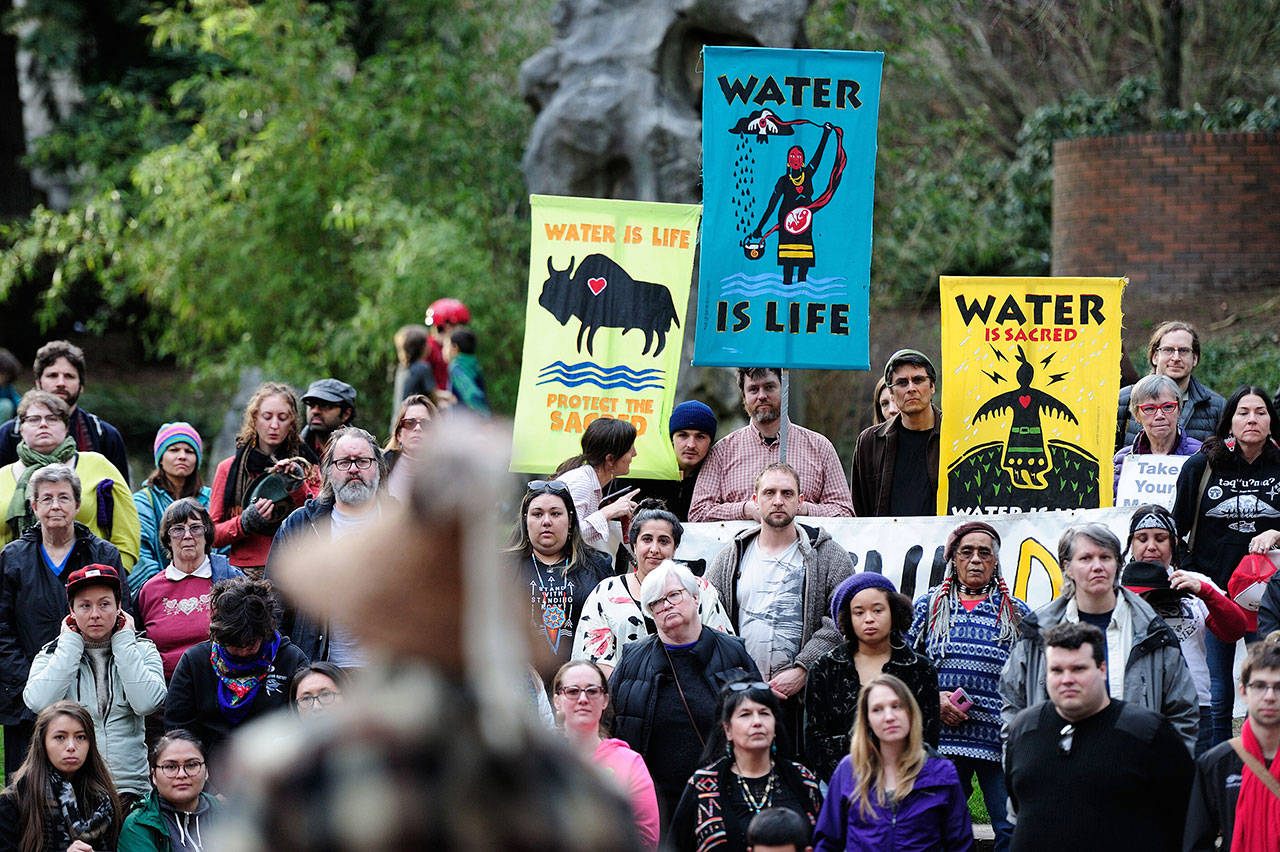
(321, 699)
(1151, 408)
(670, 599)
(574, 692)
(173, 769)
(193, 530)
(1261, 687)
(37, 419)
(1065, 739)
(409, 424)
(1180, 351)
(361, 463)
(906, 381)
(60, 499)
(540, 486)
(986, 554)
(744, 685)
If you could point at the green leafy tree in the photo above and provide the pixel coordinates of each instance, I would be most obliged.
(323, 195)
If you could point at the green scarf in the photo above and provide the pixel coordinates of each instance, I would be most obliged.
(19, 515)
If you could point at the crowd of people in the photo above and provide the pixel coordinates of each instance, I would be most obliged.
(772, 697)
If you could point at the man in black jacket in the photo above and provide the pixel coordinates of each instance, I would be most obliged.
(33, 599)
(1220, 803)
(59, 369)
(354, 470)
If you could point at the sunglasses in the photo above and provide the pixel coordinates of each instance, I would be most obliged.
(1066, 738)
(744, 685)
(542, 486)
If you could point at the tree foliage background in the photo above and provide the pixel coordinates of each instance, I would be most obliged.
(283, 184)
(320, 176)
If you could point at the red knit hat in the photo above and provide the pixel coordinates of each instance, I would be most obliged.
(949, 550)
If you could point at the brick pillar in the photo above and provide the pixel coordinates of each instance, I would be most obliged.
(1178, 213)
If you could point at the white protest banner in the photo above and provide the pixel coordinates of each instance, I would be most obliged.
(909, 550)
(1149, 479)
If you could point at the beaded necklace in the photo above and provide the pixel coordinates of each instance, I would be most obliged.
(766, 798)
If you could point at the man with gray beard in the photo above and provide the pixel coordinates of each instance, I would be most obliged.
(354, 469)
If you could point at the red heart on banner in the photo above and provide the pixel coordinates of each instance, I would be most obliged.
(596, 285)
(1024, 401)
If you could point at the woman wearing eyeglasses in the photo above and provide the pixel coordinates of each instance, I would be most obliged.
(666, 686)
(553, 565)
(741, 775)
(105, 505)
(1155, 404)
(173, 606)
(612, 618)
(177, 814)
(581, 698)
(317, 687)
(406, 443)
(890, 791)
(178, 452)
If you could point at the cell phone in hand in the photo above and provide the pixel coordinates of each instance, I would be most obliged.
(961, 700)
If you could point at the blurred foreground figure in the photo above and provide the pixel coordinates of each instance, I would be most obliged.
(435, 746)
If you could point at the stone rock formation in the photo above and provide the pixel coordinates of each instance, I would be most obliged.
(618, 98)
(619, 94)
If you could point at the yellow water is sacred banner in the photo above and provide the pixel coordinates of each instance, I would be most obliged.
(608, 293)
(1030, 383)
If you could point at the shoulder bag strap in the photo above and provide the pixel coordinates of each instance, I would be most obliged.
(1195, 519)
(1256, 767)
(702, 742)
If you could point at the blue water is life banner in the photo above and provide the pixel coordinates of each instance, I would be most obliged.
(788, 167)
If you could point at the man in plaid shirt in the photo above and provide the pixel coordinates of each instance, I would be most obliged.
(726, 485)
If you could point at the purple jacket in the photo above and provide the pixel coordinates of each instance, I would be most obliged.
(1141, 446)
(933, 818)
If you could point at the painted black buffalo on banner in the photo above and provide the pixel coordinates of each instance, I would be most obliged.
(601, 294)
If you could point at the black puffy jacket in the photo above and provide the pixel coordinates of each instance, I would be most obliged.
(33, 603)
(632, 684)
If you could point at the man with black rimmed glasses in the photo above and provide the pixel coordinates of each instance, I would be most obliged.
(1236, 794)
(1174, 351)
(895, 464)
(1086, 771)
(354, 470)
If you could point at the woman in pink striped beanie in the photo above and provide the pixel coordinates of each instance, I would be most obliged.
(178, 453)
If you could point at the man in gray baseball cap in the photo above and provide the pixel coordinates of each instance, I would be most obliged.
(331, 404)
(895, 464)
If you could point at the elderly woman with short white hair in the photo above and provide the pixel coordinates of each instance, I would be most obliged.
(665, 686)
(1154, 402)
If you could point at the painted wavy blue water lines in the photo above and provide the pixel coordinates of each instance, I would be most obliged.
(770, 283)
(607, 378)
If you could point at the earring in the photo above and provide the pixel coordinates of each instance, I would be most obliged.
(773, 749)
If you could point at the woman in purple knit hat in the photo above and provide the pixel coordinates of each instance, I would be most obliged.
(873, 618)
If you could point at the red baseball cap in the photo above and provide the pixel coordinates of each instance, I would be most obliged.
(93, 575)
